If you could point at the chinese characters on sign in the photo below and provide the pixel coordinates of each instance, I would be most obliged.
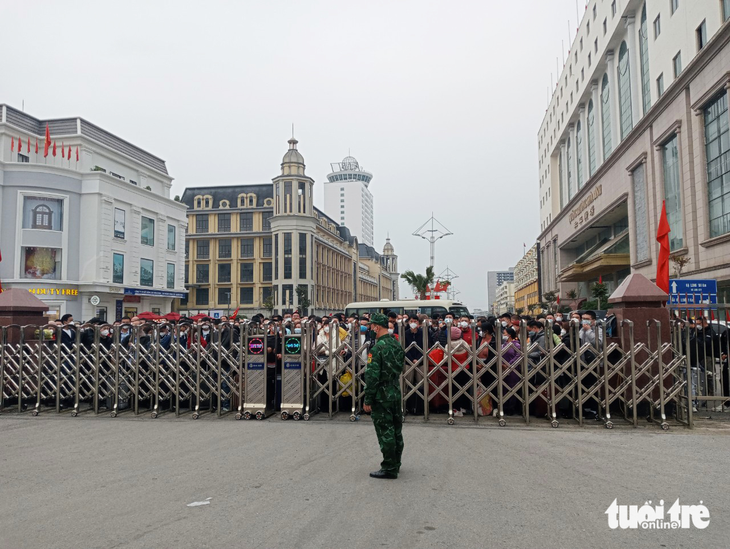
(586, 209)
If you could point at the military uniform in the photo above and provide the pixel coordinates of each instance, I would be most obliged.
(382, 392)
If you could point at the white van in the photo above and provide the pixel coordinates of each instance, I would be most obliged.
(427, 307)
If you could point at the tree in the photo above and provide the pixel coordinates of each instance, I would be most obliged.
(177, 198)
(600, 292)
(572, 294)
(519, 311)
(550, 298)
(419, 282)
(269, 304)
(303, 299)
(680, 262)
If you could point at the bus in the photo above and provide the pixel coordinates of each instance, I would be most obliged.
(427, 307)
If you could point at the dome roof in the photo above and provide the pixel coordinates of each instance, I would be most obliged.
(349, 163)
(293, 156)
(388, 249)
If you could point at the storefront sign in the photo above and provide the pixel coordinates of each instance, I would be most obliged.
(54, 291)
(153, 293)
(585, 210)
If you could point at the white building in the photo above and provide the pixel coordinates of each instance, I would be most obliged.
(504, 301)
(348, 200)
(494, 280)
(91, 230)
(638, 117)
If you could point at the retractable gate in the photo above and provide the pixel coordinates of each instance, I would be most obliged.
(294, 360)
(259, 389)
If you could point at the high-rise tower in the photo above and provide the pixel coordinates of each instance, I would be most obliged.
(348, 200)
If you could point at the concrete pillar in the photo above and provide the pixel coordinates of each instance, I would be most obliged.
(634, 68)
(564, 176)
(573, 182)
(598, 134)
(585, 172)
(613, 100)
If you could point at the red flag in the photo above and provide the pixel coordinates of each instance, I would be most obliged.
(63, 150)
(558, 300)
(727, 315)
(77, 153)
(54, 148)
(69, 152)
(600, 279)
(48, 142)
(235, 314)
(36, 146)
(29, 145)
(662, 236)
(12, 144)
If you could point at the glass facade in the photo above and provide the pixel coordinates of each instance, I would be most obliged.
(673, 192)
(644, 55)
(170, 276)
(579, 153)
(606, 117)
(717, 147)
(641, 215)
(148, 231)
(624, 91)
(146, 272)
(591, 139)
(570, 170)
(118, 269)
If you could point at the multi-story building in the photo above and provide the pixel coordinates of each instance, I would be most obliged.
(90, 228)
(347, 199)
(494, 280)
(267, 248)
(504, 301)
(527, 291)
(639, 117)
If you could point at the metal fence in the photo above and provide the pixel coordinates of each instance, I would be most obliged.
(253, 371)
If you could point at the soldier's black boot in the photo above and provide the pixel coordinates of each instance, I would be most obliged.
(383, 474)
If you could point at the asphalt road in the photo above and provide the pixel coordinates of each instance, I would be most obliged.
(127, 482)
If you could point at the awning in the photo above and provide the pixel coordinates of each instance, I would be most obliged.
(606, 257)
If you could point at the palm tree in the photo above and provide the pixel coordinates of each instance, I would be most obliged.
(419, 282)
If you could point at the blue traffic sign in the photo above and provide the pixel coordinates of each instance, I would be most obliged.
(693, 292)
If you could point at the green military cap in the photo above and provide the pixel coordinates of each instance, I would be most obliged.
(379, 319)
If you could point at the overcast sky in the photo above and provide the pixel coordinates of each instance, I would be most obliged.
(440, 100)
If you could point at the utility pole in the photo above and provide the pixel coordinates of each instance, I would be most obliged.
(433, 234)
(449, 276)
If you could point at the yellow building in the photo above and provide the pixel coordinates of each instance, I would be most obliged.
(527, 290)
(266, 247)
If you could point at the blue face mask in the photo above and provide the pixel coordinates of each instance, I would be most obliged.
(363, 329)
(297, 330)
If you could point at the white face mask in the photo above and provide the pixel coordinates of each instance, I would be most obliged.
(326, 329)
(504, 324)
(413, 325)
(104, 333)
(558, 319)
(464, 324)
(448, 320)
(391, 331)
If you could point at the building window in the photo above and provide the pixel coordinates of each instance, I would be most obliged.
(624, 91)
(644, 58)
(579, 153)
(561, 180)
(247, 296)
(287, 197)
(657, 26)
(224, 273)
(247, 247)
(202, 273)
(702, 35)
(570, 170)
(266, 272)
(119, 223)
(171, 234)
(674, 5)
(725, 10)
(673, 192)
(170, 276)
(266, 293)
(187, 274)
(146, 272)
(224, 248)
(246, 272)
(717, 146)
(42, 213)
(267, 247)
(606, 117)
(660, 85)
(302, 255)
(22, 158)
(246, 222)
(201, 296)
(118, 268)
(287, 256)
(276, 256)
(201, 223)
(641, 215)
(224, 296)
(591, 139)
(148, 231)
(613, 8)
(266, 218)
(203, 249)
(224, 223)
(677, 64)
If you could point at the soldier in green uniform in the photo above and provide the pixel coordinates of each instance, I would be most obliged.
(383, 396)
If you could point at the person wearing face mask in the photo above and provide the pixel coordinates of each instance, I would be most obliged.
(466, 332)
(413, 342)
(393, 330)
(106, 336)
(511, 356)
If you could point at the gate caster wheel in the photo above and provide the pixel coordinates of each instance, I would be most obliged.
(297, 416)
(238, 416)
(665, 426)
(113, 414)
(284, 416)
(259, 416)
(35, 413)
(450, 421)
(196, 415)
(306, 417)
(247, 415)
(74, 413)
(353, 418)
(154, 415)
(554, 424)
(502, 422)
(609, 425)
